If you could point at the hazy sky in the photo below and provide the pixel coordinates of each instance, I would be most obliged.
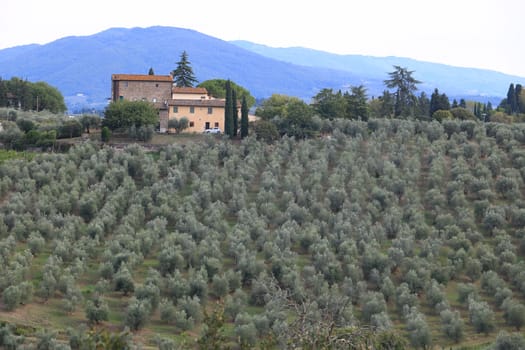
(470, 33)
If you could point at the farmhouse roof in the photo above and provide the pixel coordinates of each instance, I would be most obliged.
(142, 77)
(197, 103)
(189, 90)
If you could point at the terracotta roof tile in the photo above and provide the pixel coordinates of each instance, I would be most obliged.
(196, 103)
(142, 77)
(189, 90)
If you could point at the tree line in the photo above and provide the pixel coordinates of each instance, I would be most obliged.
(286, 115)
(515, 101)
(28, 96)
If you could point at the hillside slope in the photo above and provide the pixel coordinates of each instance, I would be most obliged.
(397, 224)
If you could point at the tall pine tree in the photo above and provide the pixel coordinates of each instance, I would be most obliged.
(405, 85)
(244, 118)
(183, 74)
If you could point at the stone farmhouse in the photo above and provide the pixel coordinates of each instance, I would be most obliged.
(202, 111)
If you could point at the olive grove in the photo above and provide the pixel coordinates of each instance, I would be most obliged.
(389, 225)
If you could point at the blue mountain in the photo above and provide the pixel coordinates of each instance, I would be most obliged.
(472, 83)
(81, 66)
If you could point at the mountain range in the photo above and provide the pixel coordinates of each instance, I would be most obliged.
(81, 66)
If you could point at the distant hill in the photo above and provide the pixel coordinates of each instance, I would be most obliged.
(81, 67)
(479, 84)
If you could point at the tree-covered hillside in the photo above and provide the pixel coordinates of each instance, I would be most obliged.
(408, 226)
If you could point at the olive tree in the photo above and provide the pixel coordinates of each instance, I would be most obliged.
(418, 330)
(11, 297)
(372, 303)
(97, 310)
(178, 124)
(514, 313)
(124, 281)
(137, 314)
(452, 324)
(245, 330)
(506, 341)
(481, 316)
(121, 115)
(167, 311)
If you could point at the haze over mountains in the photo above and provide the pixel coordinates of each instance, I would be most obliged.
(81, 67)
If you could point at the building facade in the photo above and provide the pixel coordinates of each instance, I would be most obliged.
(137, 87)
(202, 111)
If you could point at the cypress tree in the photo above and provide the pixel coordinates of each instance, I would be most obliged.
(434, 102)
(520, 107)
(244, 118)
(235, 115)
(444, 102)
(3, 93)
(228, 120)
(438, 101)
(480, 110)
(511, 100)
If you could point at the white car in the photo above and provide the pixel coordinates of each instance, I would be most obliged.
(213, 131)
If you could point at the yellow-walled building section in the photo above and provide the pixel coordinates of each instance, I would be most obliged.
(200, 117)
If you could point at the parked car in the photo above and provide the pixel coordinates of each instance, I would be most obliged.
(213, 131)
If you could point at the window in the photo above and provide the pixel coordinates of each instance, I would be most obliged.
(210, 110)
(216, 124)
(121, 98)
(192, 109)
(175, 109)
(192, 124)
(156, 85)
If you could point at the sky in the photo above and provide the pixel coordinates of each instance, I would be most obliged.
(485, 34)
